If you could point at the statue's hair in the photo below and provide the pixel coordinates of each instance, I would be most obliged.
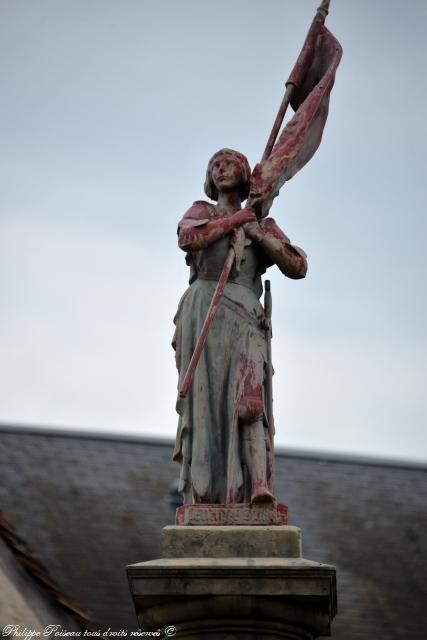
(211, 190)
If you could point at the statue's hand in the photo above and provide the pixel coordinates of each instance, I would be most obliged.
(243, 217)
(253, 229)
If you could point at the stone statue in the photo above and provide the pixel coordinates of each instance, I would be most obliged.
(231, 567)
(225, 433)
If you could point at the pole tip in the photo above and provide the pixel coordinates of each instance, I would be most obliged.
(324, 7)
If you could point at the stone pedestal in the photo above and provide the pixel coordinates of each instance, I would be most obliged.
(233, 583)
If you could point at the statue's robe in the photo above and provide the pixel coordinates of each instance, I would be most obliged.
(230, 372)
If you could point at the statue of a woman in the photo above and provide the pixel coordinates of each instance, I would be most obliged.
(222, 442)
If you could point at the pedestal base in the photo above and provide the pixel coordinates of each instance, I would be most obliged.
(231, 542)
(233, 583)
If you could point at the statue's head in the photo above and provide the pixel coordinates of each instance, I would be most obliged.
(229, 160)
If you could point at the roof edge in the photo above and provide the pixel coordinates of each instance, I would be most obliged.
(291, 452)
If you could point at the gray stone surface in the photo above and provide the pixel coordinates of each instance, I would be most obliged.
(236, 542)
(204, 593)
(80, 501)
(252, 596)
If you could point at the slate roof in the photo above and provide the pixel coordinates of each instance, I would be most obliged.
(89, 504)
(29, 596)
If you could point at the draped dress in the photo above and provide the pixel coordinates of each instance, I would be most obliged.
(230, 371)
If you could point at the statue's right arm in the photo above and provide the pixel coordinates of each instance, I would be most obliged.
(196, 232)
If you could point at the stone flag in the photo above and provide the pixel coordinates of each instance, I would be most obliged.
(313, 78)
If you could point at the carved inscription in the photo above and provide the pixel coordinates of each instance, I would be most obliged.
(239, 514)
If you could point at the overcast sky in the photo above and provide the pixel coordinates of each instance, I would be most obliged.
(109, 114)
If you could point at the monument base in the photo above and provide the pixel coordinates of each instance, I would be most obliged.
(233, 583)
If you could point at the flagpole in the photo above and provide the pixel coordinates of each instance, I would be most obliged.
(304, 58)
(302, 63)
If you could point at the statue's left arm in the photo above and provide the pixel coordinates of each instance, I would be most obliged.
(291, 260)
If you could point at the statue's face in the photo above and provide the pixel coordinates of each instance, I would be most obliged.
(227, 173)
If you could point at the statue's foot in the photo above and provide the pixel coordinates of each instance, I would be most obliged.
(262, 495)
